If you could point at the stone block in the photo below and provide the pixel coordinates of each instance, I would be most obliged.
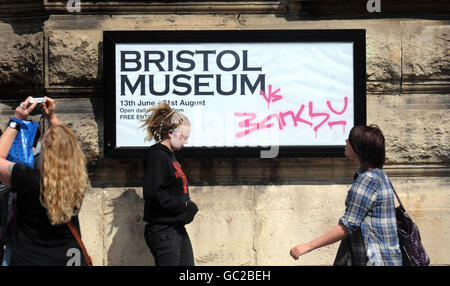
(414, 126)
(92, 224)
(21, 57)
(74, 57)
(290, 215)
(426, 55)
(172, 22)
(123, 236)
(383, 57)
(222, 232)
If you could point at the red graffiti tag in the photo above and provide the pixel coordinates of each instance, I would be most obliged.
(250, 124)
(341, 122)
(179, 173)
(295, 118)
(338, 112)
(252, 127)
(273, 96)
(312, 114)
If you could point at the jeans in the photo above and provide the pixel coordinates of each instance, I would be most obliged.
(169, 245)
(7, 255)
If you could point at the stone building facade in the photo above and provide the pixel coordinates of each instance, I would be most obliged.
(252, 211)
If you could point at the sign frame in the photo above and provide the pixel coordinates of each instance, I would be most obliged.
(110, 38)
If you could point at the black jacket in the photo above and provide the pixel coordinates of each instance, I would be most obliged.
(166, 191)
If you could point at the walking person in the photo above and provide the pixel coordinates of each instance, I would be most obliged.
(47, 198)
(369, 220)
(167, 207)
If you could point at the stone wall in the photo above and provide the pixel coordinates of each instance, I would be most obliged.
(255, 224)
(252, 211)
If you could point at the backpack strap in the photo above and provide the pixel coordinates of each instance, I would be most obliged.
(80, 242)
(398, 198)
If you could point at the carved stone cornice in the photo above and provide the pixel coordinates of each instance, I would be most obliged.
(180, 6)
(426, 86)
(307, 9)
(303, 9)
(237, 171)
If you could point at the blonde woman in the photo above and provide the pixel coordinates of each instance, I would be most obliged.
(167, 207)
(47, 198)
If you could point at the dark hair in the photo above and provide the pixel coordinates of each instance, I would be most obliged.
(368, 144)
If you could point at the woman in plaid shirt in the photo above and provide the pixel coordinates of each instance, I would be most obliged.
(369, 220)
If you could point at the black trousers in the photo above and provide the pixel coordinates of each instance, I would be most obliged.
(169, 245)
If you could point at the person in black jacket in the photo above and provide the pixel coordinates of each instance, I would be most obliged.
(167, 207)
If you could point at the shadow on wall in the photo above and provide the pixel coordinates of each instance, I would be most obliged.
(124, 236)
(294, 10)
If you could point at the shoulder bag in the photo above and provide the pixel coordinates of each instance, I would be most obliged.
(413, 252)
(80, 242)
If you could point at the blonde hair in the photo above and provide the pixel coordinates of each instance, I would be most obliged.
(63, 174)
(161, 120)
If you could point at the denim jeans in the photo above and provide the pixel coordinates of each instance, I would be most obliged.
(7, 255)
(169, 245)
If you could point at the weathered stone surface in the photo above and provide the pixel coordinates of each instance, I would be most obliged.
(73, 57)
(255, 225)
(222, 225)
(291, 215)
(123, 235)
(112, 227)
(426, 53)
(383, 57)
(92, 224)
(172, 22)
(415, 127)
(21, 61)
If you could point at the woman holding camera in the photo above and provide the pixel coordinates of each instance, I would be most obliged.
(49, 197)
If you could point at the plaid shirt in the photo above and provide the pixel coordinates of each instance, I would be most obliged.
(370, 220)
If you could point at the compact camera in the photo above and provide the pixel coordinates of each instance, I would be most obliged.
(37, 99)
